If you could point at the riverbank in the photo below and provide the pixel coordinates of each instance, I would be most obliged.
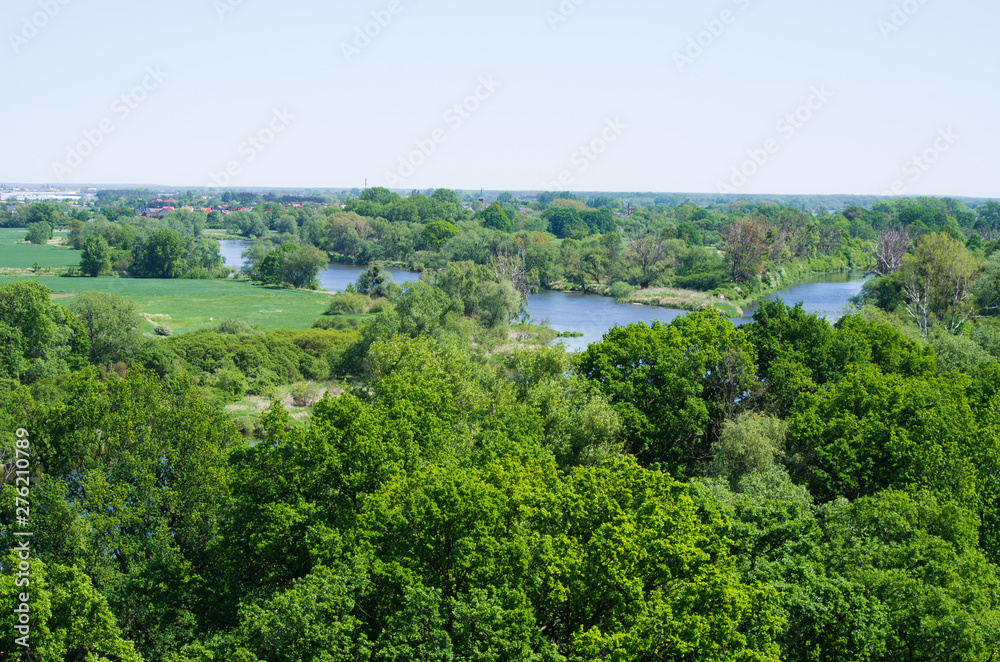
(729, 304)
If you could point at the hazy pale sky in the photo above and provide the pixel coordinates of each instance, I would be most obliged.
(746, 96)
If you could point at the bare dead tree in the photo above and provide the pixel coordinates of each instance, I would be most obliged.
(511, 265)
(888, 250)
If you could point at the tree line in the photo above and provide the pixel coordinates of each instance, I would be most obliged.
(789, 489)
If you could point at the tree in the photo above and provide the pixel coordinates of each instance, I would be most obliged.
(925, 572)
(562, 221)
(39, 233)
(301, 264)
(436, 233)
(374, 282)
(746, 247)
(70, 620)
(250, 224)
(495, 218)
(647, 251)
(674, 385)
(96, 257)
(112, 325)
(37, 338)
(162, 255)
(937, 283)
(499, 303)
(137, 481)
(41, 212)
(888, 250)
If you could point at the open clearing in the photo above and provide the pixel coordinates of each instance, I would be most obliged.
(188, 305)
(15, 254)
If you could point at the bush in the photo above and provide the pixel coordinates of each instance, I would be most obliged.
(235, 327)
(381, 306)
(348, 303)
(703, 282)
(262, 382)
(729, 293)
(161, 330)
(231, 382)
(621, 291)
(315, 368)
(337, 323)
(954, 353)
(304, 394)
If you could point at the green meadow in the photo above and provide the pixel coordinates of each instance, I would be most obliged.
(15, 254)
(188, 305)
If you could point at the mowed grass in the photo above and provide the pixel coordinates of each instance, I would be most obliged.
(15, 254)
(196, 304)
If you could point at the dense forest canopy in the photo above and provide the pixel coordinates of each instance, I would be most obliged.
(786, 490)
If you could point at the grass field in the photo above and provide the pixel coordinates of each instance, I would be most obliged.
(15, 254)
(188, 305)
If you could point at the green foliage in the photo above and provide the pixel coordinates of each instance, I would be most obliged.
(436, 233)
(621, 291)
(798, 353)
(112, 325)
(956, 353)
(674, 385)
(39, 233)
(752, 443)
(161, 255)
(96, 257)
(495, 218)
(136, 482)
(69, 619)
(349, 303)
(38, 339)
(374, 282)
(235, 327)
(873, 431)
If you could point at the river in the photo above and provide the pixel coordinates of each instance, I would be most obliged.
(593, 315)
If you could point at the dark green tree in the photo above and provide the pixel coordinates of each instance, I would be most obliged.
(96, 257)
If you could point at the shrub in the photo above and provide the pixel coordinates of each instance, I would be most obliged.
(161, 330)
(729, 293)
(703, 282)
(262, 382)
(231, 382)
(621, 290)
(315, 368)
(304, 394)
(381, 306)
(348, 303)
(235, 327)
(336, 323)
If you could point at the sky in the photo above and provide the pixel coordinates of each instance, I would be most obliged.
(863, 97)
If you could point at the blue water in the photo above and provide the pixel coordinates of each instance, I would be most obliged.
(334, 278)
(593, 315)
